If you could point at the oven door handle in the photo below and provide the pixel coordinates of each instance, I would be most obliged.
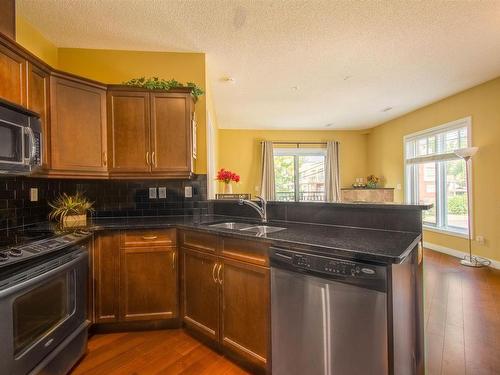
(80, 257)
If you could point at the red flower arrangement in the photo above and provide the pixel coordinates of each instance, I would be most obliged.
(227, 176)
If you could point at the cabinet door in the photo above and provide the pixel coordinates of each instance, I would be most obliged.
(148, 283)
(200, 292)
(171, 133)
(12, 76)
(106, 276)
(246, 310)
(38, 101)
(128, 116)
(78, 127)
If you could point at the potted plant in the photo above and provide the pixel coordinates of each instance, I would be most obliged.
(372, 181)
(227, 177)
(71, 210)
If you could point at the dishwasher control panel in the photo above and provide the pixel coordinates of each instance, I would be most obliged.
(333, 266)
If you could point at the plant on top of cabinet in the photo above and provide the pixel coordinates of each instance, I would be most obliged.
(155, 83)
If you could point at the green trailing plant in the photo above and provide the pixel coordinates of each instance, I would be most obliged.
(155, 83)
(67, 205)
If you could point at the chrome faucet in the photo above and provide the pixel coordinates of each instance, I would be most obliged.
(262, 209)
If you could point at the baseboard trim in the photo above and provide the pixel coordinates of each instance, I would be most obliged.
(456, 253)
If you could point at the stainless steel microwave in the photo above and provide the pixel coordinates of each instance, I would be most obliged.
(20, 140)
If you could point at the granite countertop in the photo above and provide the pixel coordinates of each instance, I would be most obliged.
(381, 246)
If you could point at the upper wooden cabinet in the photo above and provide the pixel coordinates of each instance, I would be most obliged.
(8, 19)
(128, 117)
(12, 76)
(78, 128)
(38, 94)
(150, 133)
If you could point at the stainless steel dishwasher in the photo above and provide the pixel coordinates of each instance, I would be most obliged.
(329, 316)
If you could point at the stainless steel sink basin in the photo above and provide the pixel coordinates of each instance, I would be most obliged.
(262, 229)
(230, 225)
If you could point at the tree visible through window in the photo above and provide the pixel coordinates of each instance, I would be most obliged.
(434, 174)
(299, 174)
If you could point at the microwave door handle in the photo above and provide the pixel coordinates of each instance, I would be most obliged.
(32, 145)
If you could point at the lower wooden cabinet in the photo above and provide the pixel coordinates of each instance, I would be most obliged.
(200, 292)
(148, 283)
(245, 313)
(134, 283)
(227, 300)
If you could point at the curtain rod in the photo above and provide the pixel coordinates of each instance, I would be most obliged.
(296, 143)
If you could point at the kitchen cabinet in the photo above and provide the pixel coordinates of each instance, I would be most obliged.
(200, 292)
(38, 86)
(105, 271)
(77, 127)
(8, 19)
(150, 133)
(135, 276)
(128, 116)
(226, 294)
(245, 313)
(12, 75)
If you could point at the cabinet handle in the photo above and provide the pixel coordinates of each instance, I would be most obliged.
(213, 272)
(147, 157)
(218, 274)
(153, 158)
(149, 238)
(105, 158)
(173, 259)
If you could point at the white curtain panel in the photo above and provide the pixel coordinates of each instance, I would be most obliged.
(332, 169)
(267, 189)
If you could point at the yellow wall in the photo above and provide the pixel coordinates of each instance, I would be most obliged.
(240, 152)
(385, 148)
(35, 42)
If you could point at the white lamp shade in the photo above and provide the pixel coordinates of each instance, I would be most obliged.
(466, 153)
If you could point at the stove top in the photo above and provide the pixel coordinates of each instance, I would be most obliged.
(28, 243)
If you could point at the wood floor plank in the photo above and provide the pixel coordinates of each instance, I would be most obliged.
(462, 333)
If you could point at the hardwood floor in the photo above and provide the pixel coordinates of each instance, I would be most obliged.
(462, 317)
(462, 322)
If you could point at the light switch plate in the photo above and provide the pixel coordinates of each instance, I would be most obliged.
(34, 195)
(162, 192)
(188, 192)
(152, 193)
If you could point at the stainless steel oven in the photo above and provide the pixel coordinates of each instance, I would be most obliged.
(43, 308)
(20, 140)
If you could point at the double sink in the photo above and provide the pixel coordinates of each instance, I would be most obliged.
(259, 230)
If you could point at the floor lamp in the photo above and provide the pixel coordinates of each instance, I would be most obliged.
(470, 260)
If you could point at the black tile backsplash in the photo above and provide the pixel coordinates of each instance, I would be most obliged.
(112, 198)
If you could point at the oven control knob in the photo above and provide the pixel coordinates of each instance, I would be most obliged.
(15, 252)
(4, 257)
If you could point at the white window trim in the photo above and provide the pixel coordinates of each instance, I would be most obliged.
(460, 123)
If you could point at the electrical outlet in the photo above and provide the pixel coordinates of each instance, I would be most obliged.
(152, 193)
(480, 240)
(34, 195)
(398, 186)
(188, 192)
(162, 192)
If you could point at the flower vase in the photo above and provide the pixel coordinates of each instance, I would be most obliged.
(228, 188)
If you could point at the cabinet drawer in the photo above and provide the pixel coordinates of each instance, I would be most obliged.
(148, 237)
(200, 241)
(245, 251)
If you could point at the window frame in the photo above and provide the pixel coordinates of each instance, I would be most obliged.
(411, 191)
(300, 151)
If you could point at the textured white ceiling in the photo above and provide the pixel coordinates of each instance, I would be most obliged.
(350, 60)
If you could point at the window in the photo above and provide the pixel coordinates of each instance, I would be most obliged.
(434, 174)
(299, 174)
